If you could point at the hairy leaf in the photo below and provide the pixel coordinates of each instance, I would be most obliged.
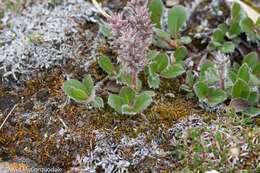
(227, 47)
(173, 71)
(89, 84)
(156, 9)
(244, 73)
(105, 63)
(177, 17)
(116, 102)
(216, 96)
(240, 89)
(180, 53)
(201, 90)
(75, 90)
(98, 102)
(153, 82)
(142, 102)
(128, 94)
(251, 60)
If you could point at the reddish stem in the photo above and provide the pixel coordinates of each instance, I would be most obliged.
(134, 80)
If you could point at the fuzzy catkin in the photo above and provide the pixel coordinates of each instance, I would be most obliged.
(132, 35)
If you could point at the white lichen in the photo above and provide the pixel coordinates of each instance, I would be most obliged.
(55, 28)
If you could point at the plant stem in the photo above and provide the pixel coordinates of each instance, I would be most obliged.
(134, 81)
(222, 77)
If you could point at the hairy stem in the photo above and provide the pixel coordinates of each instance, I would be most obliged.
(222, 77)
(134, 81)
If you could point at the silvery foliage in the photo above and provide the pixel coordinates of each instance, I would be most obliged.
(53, 25)
(178, 130)
(108, 154)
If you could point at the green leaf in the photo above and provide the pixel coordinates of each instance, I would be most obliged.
(156, 10)
(247, 25)
(105, 30)
(211, 76)
(98, 102)
(218, 36)
(189, 78)
(218, 138)
(223, 27)
(206, 65)
(160, 62)
(180, 53)
(256, 70)
(128, 94)
(173, 71)
(152, 70)
(236, 66)
(142, 102)
(126, 78)
(258, 23)
(201, 90)
(240, 89)
(149, 93)
(105, 63)
(216, 96)
(253, 97)
(214, 45)
(116, 102)
(158, 42)
(227, 47)
(152, 54)
(232, 75)
(126, 109)
(177, 17)
(244, 73)
(186, 40)
(75, 83)
(89, 84)
(153, 82)
(185, 88)
(236, 12)
(234, 31)
(251, 60)
(2, 14)
(165, 36)
(75, 90)
(254, 80)
(258, 28)
(253, 111)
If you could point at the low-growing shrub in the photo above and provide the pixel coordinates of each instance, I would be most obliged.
(140, 25)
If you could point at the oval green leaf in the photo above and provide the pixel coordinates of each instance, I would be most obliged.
(173, 71)
(177, 17)
(240, 89)
(156, 10)
(105, 63)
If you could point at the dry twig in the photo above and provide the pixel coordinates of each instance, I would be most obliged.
(8, 116)
(99, 8)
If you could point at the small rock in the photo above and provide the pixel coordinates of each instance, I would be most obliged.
(171, 95)
(213, 171)
(171, 3)
(234, 151)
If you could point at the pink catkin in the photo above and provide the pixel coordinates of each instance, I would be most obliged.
(132, 35)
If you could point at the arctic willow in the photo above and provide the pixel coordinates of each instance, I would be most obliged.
(131, 33)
